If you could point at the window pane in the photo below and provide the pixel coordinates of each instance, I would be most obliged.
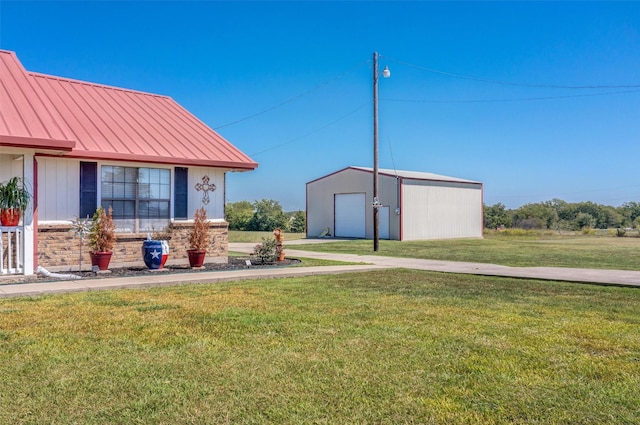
(118, 208)
(154, 209)
(131, 175)
(144, 175)
(129, 209)
(107, 174)
(118, 190)
(144, 191)
(165, 191)
(165, 177)
(118, 174)
(107, 190)
(152, 191)
(130, 190)
(163, 209)
(154, 175)
(143, 210)
(121, 209)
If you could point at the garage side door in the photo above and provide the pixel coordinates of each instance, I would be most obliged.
(350, 215)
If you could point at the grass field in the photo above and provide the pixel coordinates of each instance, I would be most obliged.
(256, 237)
(389, 347)
(597, 252)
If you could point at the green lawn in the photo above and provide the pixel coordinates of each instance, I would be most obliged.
(386, 347)
(597, 252)
(256, 237)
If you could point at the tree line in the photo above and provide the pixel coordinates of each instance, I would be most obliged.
(267, 215)
(560, 215)
(263, 216)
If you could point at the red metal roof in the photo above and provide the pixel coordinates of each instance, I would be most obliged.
(26, 120)
(94, 121)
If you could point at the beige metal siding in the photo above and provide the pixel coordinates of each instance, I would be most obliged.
(320, 199)
(430, 206)
(321, 207)
(388, 191)
(441, 210)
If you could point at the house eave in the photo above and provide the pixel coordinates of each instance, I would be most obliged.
(153, 159)
(46, 145)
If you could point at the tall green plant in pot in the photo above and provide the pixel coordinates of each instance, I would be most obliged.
(198, 238)
(102, 238)
(14, 199)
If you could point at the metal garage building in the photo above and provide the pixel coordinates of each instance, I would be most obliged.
(415, 206)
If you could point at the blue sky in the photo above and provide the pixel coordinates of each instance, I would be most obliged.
(290, 84)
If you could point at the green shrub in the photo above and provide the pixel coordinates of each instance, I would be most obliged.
(266, 252)
(516, 231)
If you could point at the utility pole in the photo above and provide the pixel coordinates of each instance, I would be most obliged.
(376, 199)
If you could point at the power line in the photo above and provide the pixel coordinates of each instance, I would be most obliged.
(271, 108)
(311, 132)
(571, 193)
(512, 83)
(522, 99)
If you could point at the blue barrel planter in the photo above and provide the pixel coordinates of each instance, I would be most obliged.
(155, 253)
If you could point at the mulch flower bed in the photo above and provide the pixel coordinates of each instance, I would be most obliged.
(234, 263)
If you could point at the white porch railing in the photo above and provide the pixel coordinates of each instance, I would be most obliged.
(11, 250)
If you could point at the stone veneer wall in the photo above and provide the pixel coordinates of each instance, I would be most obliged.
(59, 250)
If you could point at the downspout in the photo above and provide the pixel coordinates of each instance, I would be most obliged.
(35, 212)
(306, 210)
(400, 182)
(482, 210)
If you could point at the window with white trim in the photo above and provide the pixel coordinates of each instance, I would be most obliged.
(140, 197)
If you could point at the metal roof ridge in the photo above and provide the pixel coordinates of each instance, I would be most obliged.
(98, 85)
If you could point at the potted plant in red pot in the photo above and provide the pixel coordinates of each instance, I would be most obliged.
(102, 238)
(14, 199)
(198, 238)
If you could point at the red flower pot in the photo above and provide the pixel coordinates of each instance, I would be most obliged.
(10, 217)
(196, 258)
(100, 259)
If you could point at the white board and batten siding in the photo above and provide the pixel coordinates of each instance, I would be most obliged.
(59, 186)
(441, 210)
(58, 189)
(215, 207)
(10, 165)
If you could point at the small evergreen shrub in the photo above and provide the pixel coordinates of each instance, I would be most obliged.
(266, 252)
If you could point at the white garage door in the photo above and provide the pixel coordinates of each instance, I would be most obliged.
(350, 215)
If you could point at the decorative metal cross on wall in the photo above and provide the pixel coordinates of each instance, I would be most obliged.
(205, 186)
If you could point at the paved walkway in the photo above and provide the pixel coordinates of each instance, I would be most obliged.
(367, 262)
(605, 277)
